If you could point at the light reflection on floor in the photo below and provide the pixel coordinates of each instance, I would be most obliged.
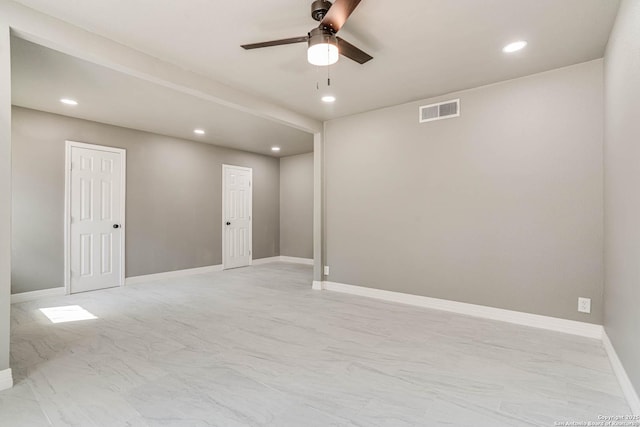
(69, 313)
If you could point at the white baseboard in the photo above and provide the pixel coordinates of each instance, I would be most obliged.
(625, 383)
(296, 260)
(584, 329)
(34, 295)
(268, 260)
(6, 379)
(291, 259)
(316, 285)
(172, 274)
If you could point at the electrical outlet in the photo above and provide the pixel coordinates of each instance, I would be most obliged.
(584, 305)
(326, 270)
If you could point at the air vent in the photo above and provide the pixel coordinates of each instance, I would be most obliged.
(439, 111)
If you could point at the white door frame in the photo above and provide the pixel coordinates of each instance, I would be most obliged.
(67, 206)
(224, 203)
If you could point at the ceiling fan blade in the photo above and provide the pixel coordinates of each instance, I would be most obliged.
(338, 14)
(350, 51)
(276, 42)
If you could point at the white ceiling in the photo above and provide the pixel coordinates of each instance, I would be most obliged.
(421, 48)
(41, 77)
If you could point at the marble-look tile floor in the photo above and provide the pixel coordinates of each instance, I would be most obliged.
(257, 347)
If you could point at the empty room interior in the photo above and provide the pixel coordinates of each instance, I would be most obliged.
(319, 213)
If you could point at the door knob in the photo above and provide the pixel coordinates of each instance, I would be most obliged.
(228, 223)
(116, 225)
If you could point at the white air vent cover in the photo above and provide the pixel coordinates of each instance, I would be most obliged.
(439, 111)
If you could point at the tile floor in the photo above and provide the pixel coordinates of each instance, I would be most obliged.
(257, 347)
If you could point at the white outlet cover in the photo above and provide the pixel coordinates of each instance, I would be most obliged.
(584, 305)
(326, 270)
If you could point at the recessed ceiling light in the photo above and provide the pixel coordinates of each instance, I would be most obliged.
(69, 101)
(514, 47)
(275, 148)
(199, 132)
(328, 98)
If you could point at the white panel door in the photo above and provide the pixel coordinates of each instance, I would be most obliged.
(96, 232)
(236, 208)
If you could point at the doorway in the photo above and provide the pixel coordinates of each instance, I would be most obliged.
(236, 216)
(95, 183)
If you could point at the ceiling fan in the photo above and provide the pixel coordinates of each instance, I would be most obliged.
(324, 47)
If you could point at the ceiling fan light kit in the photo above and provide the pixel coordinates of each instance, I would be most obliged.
(324, 47)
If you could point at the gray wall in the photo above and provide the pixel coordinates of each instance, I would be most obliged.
(622, 198)
(500, 207)
(296, 206)
(5, 193)
(173, 198)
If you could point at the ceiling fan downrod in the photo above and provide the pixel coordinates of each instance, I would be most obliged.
(319, 9)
